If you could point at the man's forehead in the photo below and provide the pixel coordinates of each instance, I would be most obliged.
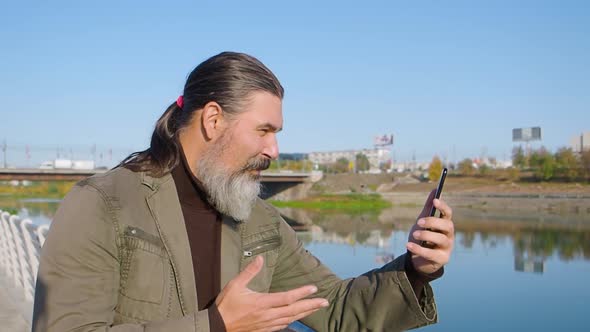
(264, 110)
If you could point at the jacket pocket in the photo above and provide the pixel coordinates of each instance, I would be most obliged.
(145, 276)
(267, 243)
(261, 246)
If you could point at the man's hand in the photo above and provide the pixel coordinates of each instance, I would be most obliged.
(245, 310)
(438, 231)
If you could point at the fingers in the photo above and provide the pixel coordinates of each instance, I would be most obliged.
(295, 311)
(437, 239)
(285, 298)
(444, 226)
(433, 255)
(249, 272)
(445, 210)
(282, 323)
(247, 310)
(304, 314)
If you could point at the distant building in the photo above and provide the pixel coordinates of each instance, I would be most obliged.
(504, 163)
(376, 156)
(410, 166)
(292, 156)
(581, 142)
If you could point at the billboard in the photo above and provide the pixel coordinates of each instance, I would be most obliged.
(383, 140)
(581, 142)
(526, 134)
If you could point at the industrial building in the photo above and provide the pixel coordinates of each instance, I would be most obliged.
(377, 156)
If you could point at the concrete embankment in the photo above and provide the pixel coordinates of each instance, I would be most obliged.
(523, 202)
(474, 200)
(480, 212)
(571, 208)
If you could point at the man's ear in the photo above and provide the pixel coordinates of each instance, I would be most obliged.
(212, 120)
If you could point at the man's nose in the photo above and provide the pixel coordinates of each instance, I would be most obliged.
(271, 148)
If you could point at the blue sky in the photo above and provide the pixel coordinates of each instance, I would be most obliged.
(445, 77)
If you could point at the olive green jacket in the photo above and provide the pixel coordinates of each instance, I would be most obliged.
(117, 258)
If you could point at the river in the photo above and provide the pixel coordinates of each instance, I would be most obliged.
(509, 271)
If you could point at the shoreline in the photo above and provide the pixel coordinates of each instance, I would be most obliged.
(571, 204)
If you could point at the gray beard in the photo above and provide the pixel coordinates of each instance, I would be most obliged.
(231, 193)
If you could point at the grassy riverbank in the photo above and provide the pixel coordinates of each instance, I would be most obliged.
(348, 203)
(45, 189)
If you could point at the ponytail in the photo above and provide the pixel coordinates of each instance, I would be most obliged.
(164, 152)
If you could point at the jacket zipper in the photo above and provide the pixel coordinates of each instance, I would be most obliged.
(261, 246)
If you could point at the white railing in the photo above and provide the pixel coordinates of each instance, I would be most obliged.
(20, 244)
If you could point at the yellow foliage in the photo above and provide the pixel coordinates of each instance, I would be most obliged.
(49, 189)
(435, 168)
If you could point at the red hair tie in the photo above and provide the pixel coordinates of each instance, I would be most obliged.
(180, 101)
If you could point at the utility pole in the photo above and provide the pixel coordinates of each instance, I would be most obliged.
(4, 152)
(28, 155)
(93, 151)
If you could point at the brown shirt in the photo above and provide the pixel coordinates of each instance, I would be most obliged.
(203, 226)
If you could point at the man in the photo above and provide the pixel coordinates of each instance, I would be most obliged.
(176, 238)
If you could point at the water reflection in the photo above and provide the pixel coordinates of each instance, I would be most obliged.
(532, 242)
(39, 210)
(534, 265)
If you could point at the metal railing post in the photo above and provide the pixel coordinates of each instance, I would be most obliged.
(20, 246)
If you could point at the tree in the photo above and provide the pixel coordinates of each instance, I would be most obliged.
(543, 164)
(386, 166)
(435, 168)
(274, 165)
(586, 164)
(307, 165)
(484, 169)
(362, 162)
(341, 165)
(513, 173)
(547, 170)
(466, 167)
(567, 164)
(518, 157)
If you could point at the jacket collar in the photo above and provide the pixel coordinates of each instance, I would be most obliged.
(152, 182)
(165, 208)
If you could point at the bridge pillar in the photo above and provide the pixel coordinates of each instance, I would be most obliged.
(285, 191)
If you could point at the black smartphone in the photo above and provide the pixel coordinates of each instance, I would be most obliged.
(439, 188)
